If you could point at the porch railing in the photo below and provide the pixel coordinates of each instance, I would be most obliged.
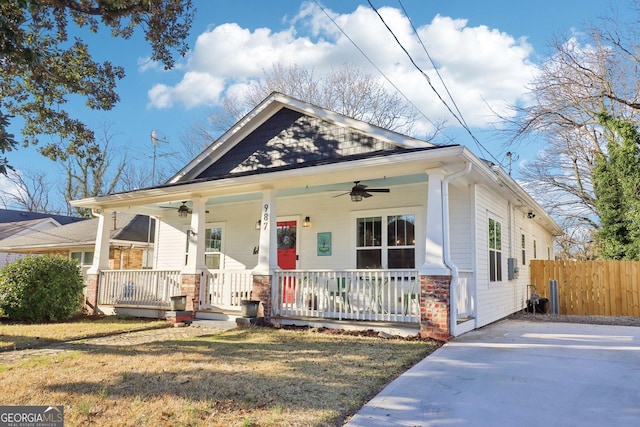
(376, 295)
(465, 298)
(226, 288)
(138, 287)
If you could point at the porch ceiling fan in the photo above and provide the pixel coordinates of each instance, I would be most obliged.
(360, 191)
(183, 210)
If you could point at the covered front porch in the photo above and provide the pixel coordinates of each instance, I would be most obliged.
(311, 250)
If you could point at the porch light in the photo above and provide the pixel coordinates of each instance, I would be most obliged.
(258, 224)
(306, 222)
(356, 197)
(183, 210)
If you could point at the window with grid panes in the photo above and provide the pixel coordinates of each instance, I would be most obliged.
(495, 250)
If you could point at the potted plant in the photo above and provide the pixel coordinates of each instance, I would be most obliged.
(249, 307)
(178, 303)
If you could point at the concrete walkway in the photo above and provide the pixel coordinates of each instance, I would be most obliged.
(519, 373)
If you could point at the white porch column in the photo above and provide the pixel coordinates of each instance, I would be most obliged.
(434, 264)
(101, 250)
(195, 235)
(268, 248)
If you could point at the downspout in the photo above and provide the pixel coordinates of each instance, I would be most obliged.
(447, 251)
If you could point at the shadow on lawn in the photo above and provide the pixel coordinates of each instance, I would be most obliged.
(321, 373)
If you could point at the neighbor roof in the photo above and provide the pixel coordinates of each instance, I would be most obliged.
(9, 215)
(129, 228)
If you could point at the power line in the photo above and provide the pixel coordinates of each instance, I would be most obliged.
(373, 64)
(460, 119)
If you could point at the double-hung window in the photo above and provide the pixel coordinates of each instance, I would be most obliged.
(213, 258)
(385, 241)
(213, 247)
(495, 250)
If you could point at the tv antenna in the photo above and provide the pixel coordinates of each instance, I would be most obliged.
(512, 157)
(154, 141)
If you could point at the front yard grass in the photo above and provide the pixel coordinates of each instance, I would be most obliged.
(18, 336)
(240, 377)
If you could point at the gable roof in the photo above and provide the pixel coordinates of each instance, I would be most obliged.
(285, 132)
(128, 228)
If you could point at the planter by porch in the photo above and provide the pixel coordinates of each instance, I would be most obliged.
(178, 303)
(249, 308)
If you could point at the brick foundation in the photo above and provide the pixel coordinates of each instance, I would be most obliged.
(434, 307)
(91, 303)
(261, 291)
(190, 286)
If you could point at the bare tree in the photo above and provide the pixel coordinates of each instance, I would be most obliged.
(585, 76)
(94, 173)
(347, 90)
(29, 191)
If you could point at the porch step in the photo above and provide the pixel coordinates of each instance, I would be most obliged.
(217, 315)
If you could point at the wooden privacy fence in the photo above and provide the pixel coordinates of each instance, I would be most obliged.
(591, 288)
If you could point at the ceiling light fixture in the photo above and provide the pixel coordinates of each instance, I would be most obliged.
(183, 210)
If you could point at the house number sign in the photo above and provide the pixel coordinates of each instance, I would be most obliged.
(265, 216)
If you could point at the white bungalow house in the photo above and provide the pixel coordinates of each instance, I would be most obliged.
(331, 221)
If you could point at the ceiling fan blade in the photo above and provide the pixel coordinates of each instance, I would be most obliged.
(377, 190)
(365, 194)
(342, 194)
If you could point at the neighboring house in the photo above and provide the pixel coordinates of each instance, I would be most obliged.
(332, 221)
(130, 241)
(15, 223)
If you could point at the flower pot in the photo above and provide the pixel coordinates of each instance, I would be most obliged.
(249, 308)
(178, 303)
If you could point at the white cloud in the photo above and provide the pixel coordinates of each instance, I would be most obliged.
(484, 69)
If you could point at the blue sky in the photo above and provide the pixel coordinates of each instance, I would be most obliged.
(487, 52)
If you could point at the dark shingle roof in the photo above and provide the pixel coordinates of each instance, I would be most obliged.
(9, 215)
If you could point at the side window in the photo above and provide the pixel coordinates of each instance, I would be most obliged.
(535, 250)
(495, 251)
(524, 251)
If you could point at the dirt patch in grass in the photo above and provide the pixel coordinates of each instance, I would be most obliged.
(241, 377)
(19, 336)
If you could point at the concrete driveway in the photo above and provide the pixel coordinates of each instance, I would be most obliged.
(519, 373)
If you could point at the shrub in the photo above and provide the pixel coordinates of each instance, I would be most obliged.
(41, 288)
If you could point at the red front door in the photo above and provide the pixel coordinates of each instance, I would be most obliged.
(287, 255)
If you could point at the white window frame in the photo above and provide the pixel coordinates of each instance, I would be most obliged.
(384, 214)
(495, 253)
(208, 226)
